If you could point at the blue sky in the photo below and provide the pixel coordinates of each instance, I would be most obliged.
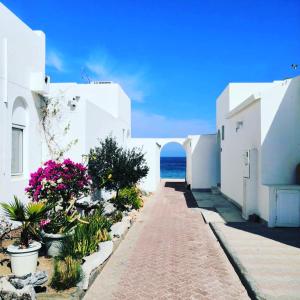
(173, 58)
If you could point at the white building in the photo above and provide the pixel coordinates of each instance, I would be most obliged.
(92, 111)
(260, 148)
(22, 76)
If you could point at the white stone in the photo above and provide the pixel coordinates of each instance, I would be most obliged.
(108, 208)
(94, 260)
(8, 291)
(119, 228)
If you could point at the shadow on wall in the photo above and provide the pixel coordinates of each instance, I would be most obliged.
(280, 148)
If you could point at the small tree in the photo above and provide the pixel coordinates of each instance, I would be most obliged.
(112, 167)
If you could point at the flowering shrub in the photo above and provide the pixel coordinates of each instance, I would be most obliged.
(57, 181)
(60, 184)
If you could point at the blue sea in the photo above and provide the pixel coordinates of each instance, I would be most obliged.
(172, 167)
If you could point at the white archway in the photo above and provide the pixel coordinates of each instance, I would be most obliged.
(163, 141)
(173, 166)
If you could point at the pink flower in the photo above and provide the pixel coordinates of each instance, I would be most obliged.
(71, 178)
(44, 222)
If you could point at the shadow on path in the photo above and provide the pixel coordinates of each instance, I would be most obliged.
(180, 186)
(288, 236)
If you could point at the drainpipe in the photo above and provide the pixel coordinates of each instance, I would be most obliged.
(3, 105)
(3, 74)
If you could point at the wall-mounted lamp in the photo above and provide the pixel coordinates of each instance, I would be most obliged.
(239, 125)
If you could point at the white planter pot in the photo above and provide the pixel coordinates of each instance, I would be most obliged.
(53, 242)
(24, 261)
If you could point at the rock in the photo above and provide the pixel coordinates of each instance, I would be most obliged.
(87, 203)
(119, 228)
(95, 260)
(108, 208)
(35, 279)
(9, 292)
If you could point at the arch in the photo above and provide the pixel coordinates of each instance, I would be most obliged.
(173, 165)
(19, 112)
(19, 126)
(164, 141)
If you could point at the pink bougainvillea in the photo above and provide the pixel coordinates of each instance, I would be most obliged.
(59, 181)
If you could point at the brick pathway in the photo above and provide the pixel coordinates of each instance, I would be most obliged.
(169, 253)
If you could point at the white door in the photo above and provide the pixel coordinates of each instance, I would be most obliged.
(287, 208)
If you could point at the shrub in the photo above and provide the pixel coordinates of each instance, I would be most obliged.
(60, 185)
(59, 182)
(29, 215)
(87, 236)
(116, 216)
(67, 273)
(129, 197)
(113, 167)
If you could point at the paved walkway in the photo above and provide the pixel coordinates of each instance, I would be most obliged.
(267, 258)
(169, 253)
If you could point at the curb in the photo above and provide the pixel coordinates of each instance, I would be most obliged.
(248, 283)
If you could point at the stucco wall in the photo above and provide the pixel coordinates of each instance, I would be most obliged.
(280, 137)
(202, 163)
(22, 53)
(152, 156)
(235, 143)
(91, 119)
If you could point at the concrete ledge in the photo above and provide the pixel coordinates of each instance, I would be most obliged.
(245, 277)
(211, 216)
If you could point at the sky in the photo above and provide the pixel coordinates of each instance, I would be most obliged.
(173, 58)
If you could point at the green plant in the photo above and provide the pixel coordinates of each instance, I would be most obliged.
(116, 216)
(67, 273)
(129, 197)
(113, 167)
(87, 236)
(29, 215)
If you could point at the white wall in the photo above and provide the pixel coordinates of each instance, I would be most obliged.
(238, 92)
(233, 147)
(22, 56)
(280, 139)
(202, 161)
(102, 110)
(152, 155)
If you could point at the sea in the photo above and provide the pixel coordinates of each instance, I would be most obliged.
(172, 167)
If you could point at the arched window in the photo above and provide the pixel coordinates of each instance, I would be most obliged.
(19, 123)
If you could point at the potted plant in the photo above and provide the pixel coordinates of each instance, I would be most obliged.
(61, 184)
(24, 254)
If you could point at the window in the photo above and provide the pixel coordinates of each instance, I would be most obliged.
(223, 132)
(17, 151)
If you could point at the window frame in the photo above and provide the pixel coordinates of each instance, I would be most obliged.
(22, 129)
